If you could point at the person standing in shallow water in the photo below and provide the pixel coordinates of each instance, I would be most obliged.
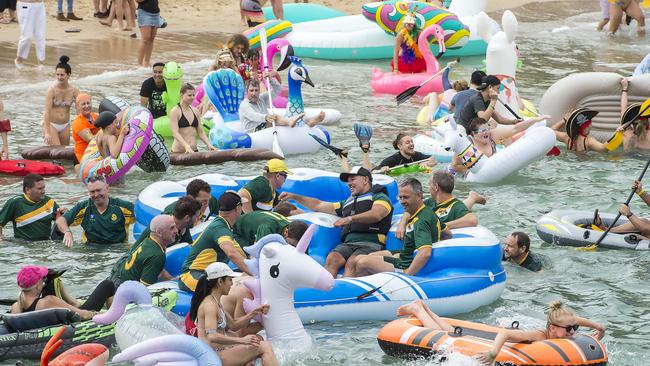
(32, 22)
(152, 90)
(59, 99)
(148, 22)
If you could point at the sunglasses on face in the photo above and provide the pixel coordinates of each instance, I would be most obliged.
(283, 175)
(481, 130)
(568, 328)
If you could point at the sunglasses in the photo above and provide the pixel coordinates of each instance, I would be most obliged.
(283, 175)
(481, 130)
(568, 328)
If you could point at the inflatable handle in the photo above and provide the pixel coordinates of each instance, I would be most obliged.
(514, 325)
(52, 346)
(129, 291)
(175, 343)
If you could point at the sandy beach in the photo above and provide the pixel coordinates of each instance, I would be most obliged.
(213, 15)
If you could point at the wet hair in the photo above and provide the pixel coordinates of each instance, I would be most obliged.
(473, 125)
(196, 186)
(477, 77)
(186, 206)
(30, 181)
(460, 85)
(522, 240)
(63, 64)
(444, 180)
(238, 39)
(398, 139)
(555, 310)
(252, 82)
(284, 208)
(296, 229)
(157, 64)
(415, 185)
(203, 289)
(186, 87)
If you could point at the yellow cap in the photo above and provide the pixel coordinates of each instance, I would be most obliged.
(276, 166)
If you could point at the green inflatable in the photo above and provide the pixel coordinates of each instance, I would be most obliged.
(173, 74)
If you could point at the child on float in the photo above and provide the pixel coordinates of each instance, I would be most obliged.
(406, 55)
(208, 321)
(5, 128)
(111, 138)
(185, 124)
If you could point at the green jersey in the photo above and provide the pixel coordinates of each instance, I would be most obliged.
(181, 237)
(143, 262)
(206, 248)
(449, 210)
(254, 225)
(422, 230)
(263, 197)
(212, 210)
(108, 227)
(31, 220)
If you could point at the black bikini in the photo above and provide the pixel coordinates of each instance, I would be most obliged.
(183, 122)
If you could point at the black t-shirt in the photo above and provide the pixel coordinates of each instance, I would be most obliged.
(399, 159)
(150, 6)
(150, 90)
(474, 105)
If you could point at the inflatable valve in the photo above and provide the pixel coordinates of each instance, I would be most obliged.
(5, 125)
(172, 73)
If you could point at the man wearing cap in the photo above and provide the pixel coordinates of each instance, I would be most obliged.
(200, 190)
(145, 262)
(110, 138)
(186, 213)
(83, 128)
(260, 192)
(254, 225)
(104, 219)
(365, 218)
(460, 99)
(216, 243)
(483, 103)
(32, 212)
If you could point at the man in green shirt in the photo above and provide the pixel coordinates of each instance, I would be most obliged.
(32, 212)
(216, 243)
(261, 191)
(201, 191)
(254, 225)
(422, 230)
(145, 262)
(365, 218)
(104, 219)
(186, 212)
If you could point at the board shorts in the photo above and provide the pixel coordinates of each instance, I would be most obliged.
(348, 250)
(396, 263)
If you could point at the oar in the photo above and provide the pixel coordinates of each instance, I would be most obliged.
(408, 93)
(276, 144)
(334, 149)
(627, 202)
(555, 151)
(615, 141)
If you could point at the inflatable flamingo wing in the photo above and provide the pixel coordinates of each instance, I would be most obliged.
(177, 349)
(129, 291)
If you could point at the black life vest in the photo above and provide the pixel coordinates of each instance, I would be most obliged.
(363, 203)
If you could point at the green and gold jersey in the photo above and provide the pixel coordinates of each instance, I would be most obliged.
(31, 220)
(206, 249)
(108, 227)
(263, 197)
(254, 225)
(422, 230)
(143, 262)
(449, 210)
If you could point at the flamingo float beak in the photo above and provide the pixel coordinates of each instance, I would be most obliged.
(285, 52)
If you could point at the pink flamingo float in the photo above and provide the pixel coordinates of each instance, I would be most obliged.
(389, 83)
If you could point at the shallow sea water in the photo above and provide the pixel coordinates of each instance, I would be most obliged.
(555, 39)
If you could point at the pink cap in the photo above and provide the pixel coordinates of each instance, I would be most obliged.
(29, 275)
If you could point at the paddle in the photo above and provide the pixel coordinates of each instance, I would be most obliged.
(276, 144)
(627, 202)
(408, 93)
(334, 149)
(615, 141)
(555, 151)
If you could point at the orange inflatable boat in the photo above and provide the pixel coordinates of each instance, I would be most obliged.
(406, 338)
(89, 354)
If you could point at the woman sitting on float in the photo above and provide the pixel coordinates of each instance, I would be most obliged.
(185, 124)
(577, 126)
(561, 322)
(224, 60)
(406, 55)
(111, 137)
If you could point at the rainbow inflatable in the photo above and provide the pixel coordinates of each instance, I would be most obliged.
(389, 16)
(274, 29)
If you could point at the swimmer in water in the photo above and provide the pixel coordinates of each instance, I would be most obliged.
(577, 125)
(185, 124)
(110, 138)
(59, 99)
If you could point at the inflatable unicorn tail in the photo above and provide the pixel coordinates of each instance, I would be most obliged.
(129, 291)
(225, 89)
(176, 349)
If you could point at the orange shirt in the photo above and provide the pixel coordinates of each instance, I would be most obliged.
(79, 124)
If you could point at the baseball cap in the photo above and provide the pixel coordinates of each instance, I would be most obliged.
(219, 269)
(276, 166)
(357, 170)
(229, 200)
(104, 119)
(29, 275)
(489, 80)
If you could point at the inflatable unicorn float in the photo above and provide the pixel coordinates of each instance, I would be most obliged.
(225, 89)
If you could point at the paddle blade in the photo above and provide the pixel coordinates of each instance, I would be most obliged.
(589, 248)
(276, 145)
(615, 141)
(555, 151)
(407, 94)
(645, 108)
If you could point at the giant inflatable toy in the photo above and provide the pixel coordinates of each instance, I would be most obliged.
(170, 350)
(88, 354)
(173, 76)
(274, 29)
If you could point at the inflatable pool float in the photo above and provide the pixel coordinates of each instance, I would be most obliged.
(396, 83)
(228, 133)
(274, 29)
(57, 153)
(221, 156)
(299, 13)
(316, 183)
(91, 354)
(407, 338)
(464, 273)
(573, 228)
(533, 145)
(23, 167)
(599, 91)
(24, 336)
(155, 157)
(172, 350)
(173, 78)
(284, 48)
(140, 122)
